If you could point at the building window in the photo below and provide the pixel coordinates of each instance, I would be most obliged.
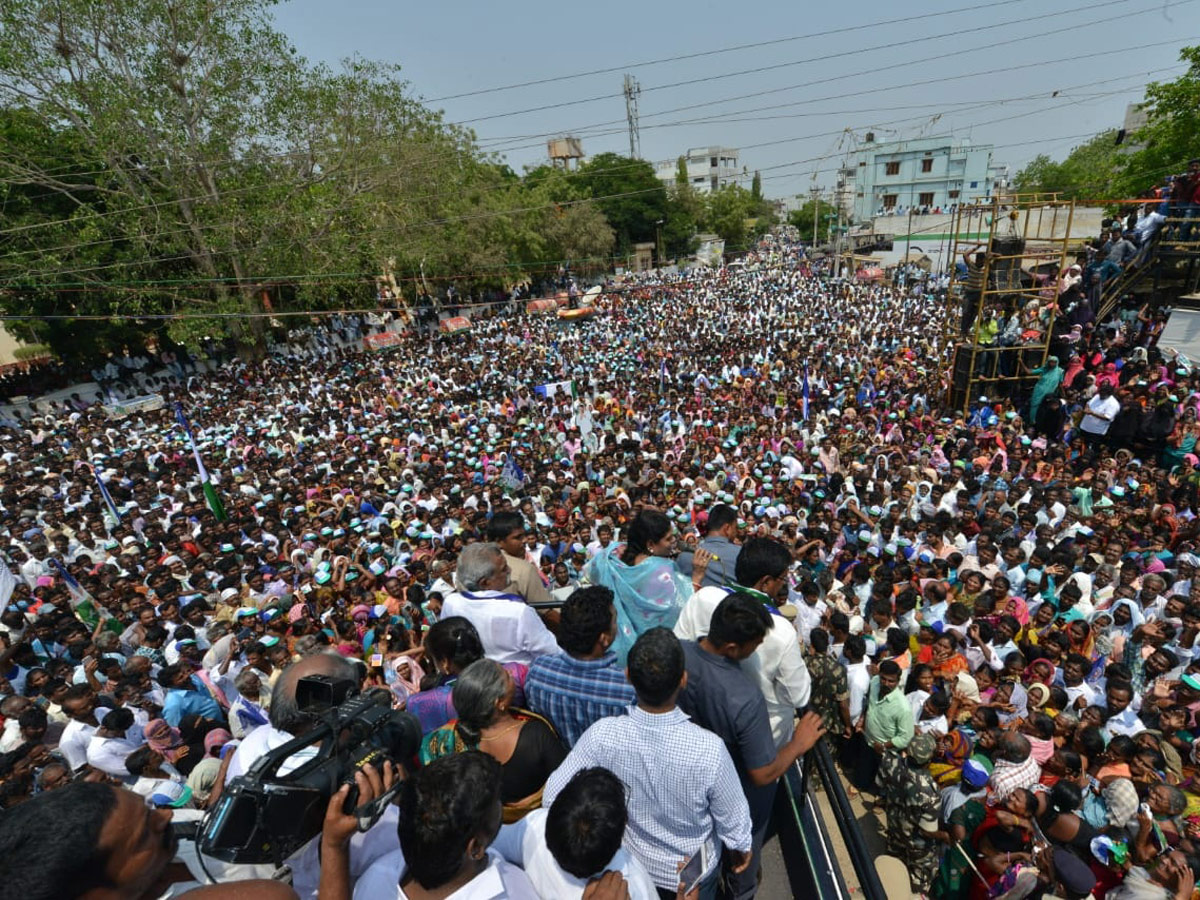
(953, 195)
(926, 199)
(713, 162)
(974, 184)
(892, 168)
(714, 182)
(889, 201)
(927, 165)
(697, 181)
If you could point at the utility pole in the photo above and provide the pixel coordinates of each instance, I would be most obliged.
(816, 195)
(632, 90)
(908, 237)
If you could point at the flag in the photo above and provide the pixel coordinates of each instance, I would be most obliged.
(554, 387)
(512, 476)
(210, 493)
(804, 395)
(82, 604)
(109, 503)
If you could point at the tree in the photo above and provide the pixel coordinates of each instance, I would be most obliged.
(1171, 136)
(185, 157)
(756, 187)
(681, 173)
(728, 212)
(1090, 169)
(802, 219)
(629, 194)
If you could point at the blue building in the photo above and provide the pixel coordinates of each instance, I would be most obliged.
(925, 174)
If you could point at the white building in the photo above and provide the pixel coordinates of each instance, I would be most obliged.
(708, 168)
(925, 174)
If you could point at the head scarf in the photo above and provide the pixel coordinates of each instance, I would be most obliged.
(1038, 695)
(967, 687)
(956, 748)
(165, 740)
(1135, 617)
(215, 740)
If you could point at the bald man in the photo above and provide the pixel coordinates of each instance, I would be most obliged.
(286, 720)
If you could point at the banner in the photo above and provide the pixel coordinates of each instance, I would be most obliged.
(454, 325)
(381, 341)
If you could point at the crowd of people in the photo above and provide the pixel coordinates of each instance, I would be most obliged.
(623, 572)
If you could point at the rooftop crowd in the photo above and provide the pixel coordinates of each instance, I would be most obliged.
(624, 572)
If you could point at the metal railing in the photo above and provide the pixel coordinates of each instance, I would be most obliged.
(809, 852)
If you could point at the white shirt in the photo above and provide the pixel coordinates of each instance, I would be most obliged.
(258, 743)
(1082, 689)
(108, 754)
(1091, 423)
(509, 629)
(499, 880)
(808, 618)
(10, 737)
(75, 739)
(858, 680)
(1126, 722)
(777, 666)
(524, 845)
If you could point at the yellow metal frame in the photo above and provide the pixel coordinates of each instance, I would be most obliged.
(1042, 214)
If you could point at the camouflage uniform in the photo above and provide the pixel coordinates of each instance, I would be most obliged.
(829, 689)
(911, 801)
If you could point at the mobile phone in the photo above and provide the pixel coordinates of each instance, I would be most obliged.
(376, 660)
(694, 869)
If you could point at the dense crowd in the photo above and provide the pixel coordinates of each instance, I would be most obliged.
(624, 572)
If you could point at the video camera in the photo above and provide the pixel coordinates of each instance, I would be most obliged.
(265, 816)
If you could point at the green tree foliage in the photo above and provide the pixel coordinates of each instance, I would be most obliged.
(803, 220)
(629, 194)
(733, 212)
(1089, 170)
(1171, 136)
(1102, 169)
(180, 156)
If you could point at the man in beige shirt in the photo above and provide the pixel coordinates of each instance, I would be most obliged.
(507, 529)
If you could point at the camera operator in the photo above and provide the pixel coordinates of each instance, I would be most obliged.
(287, 721)
(90, 841)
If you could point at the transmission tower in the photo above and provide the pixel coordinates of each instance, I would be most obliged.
(632, 90)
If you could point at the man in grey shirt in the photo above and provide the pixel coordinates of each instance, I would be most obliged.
(722, 528)
(1118, 252)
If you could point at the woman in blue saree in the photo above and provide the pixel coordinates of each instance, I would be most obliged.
(648, 590)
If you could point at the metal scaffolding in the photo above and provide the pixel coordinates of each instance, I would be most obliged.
(1024, 239)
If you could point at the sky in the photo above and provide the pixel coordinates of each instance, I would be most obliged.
(1028, 76)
